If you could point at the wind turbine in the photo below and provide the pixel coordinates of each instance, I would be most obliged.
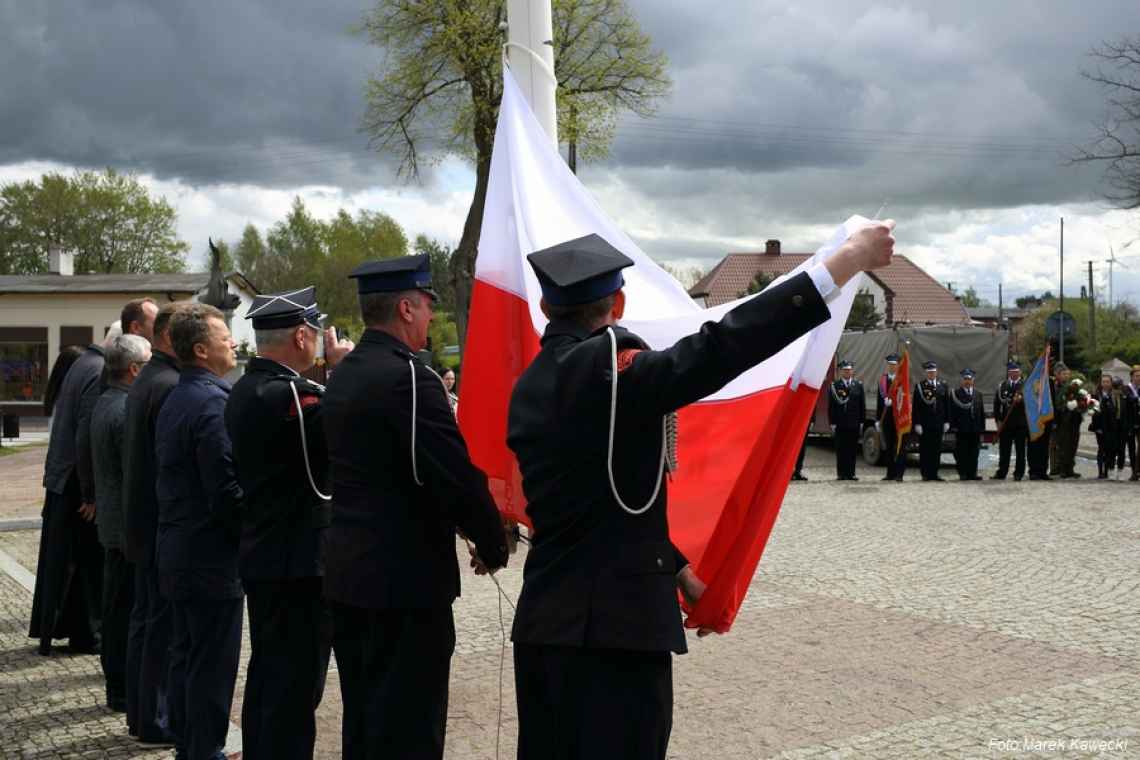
(1112, 261)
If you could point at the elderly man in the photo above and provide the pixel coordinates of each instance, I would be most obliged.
(401, 484)
(1013, 427)
(199, 525)
(274, 419)
(598, 617)
(69, 573)
(125, 359)
(148, 643)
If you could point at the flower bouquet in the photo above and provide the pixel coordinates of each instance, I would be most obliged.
(1077, 399)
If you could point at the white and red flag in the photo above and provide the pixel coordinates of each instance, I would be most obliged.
(736, 448)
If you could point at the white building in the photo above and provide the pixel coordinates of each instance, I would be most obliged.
(41, 314)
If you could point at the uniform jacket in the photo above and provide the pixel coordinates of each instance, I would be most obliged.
(595, 575)
(884, 413)
(931, 405)
(140, 469)
(392, 542)
(1004, 405)
(62, 453)
(199, 498)
(107, 451)
(846, 407)
(967, 411)
(284, 520)
(1115, 415)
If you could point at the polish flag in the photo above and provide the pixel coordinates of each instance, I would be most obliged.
(736, 448)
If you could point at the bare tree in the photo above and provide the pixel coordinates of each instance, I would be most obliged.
(1117, 144)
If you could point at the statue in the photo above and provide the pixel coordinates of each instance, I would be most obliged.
(217, 291)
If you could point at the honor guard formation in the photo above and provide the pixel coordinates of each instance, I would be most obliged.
(333, 512)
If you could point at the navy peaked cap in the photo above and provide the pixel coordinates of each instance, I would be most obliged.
(930, 365)
(893, 358)
(1013, 365)
(846, 365)
(273, 310)
(967, 372)
(579, 271)
(395, 275)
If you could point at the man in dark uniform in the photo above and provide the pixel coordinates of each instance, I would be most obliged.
(968, 421)
(148, 639)
(1132, 392)
(199, 524)
(885, 414)
(1067, 430)
(401, 484)
(598, 617)
(1013, 428)
(931, 420)
(273, 419)
(846, 411)
(798, 473)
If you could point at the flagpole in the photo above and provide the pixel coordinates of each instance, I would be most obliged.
(530, 49)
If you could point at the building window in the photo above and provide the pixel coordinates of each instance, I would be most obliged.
(868, 299)
(23, 363)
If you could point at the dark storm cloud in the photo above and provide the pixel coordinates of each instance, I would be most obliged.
(263, 91)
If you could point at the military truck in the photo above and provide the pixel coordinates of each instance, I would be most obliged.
(982, 349)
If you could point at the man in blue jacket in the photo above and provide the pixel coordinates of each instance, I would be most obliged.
(199, 525)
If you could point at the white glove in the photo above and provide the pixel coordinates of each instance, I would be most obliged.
(887, 402)
(1071, 405)
(945, 426)
(918, 429)
(833, 428)
(877, 428)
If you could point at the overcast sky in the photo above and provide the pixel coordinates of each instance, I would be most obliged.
(785, 118)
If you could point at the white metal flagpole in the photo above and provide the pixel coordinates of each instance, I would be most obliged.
(530, 49)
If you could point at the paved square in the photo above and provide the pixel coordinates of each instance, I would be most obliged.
(887, 621)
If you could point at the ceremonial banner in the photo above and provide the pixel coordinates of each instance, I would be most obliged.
(736, 448)
(900, 398)
(1038, 399)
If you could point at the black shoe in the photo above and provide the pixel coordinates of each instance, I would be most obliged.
(83, 647)
(798, 476)
(852, 478)
(899, 479)
(1017, 478)
(888, 477)
(999, 477)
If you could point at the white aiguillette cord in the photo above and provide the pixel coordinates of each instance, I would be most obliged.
(613, 423)
(304, 441)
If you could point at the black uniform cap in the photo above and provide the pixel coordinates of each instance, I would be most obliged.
(1013, 365)
(930, 365)
(967, 373)
(395, 275)
(273, 310)
(579, 271)
(846, 365)
(893, 358)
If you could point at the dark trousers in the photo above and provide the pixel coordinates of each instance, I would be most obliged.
(1015, 440)
(1109, 452)
(846, 449)
(207, 639)
(393, 667)
(118, 599)
(1038, 455)
(930, 450)
(1130, 444)
(68, 598)
(800, 458)
(290, 631)
(576, 703)
(896, 463)
(148, 659)
(966, 453)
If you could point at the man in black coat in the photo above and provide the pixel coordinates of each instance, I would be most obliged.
(598, 616)
(199, 525)
(885, 414)
(846, 411)
(931, 420)
(968, 421)
(1013, 427)
(68, 596)
(148, 637)
(401, 484)
(274, 422)
(1132, 391)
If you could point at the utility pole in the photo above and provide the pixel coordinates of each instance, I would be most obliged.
(1092, 310)
(1000, 305)
(572, 144)
(1061, 320)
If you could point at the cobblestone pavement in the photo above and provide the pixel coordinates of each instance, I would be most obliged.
(887, 620)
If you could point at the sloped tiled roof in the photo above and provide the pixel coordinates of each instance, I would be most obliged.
(917, 297)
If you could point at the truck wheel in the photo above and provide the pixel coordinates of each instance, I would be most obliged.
(872, 447)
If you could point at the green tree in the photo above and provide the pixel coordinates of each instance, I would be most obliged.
(759, 282)
(1116, 145)
(440, 255)
(109, 220)
(971, 299)
(249, 257)
(440, 86)
(863, 315)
